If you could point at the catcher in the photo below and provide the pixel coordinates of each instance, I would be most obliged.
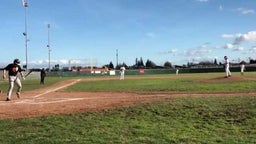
(13, 70)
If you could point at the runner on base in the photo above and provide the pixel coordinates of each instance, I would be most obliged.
(13, 70)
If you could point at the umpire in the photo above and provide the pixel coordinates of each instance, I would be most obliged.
(42, 75)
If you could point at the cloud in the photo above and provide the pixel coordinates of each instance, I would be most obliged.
(229, 46)
(238, 48)
(248, 37)
(199, 51)
(61, 62)
(253, 49)
(202, 0)
(245, 11)
(233, 47)
(173, 51)
(226, 36)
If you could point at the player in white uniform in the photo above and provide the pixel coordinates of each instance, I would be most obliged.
(242, 66)
(122, 69)
(226, 63)
(177, 71)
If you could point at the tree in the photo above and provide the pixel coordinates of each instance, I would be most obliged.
(136, 62)
(215, 62)
(120, 65)
(205, 63)
(168, 64)
(139, 63)
(150, 64)
(252, 61)
(111, 66)
(56, 67)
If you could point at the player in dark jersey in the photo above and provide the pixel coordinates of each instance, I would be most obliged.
(42, 75)
(13, 69)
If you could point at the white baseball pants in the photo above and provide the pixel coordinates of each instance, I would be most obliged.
(12, 80)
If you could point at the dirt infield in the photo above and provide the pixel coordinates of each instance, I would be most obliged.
(52, 100)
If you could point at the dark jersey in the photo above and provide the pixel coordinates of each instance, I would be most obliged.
(13, 69)
(43, 74)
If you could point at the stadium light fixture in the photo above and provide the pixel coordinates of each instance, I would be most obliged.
(49, 47)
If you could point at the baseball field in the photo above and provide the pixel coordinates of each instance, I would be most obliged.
(185, 108)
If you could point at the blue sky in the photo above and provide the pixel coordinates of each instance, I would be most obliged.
(90, 31)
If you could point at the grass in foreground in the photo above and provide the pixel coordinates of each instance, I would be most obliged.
(176, 120)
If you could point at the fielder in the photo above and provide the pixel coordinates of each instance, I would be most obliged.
(226, 64)
(242, 66)
(122, 69)
(177, 71)
(13, 70)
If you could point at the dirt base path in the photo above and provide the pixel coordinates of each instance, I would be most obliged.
(51, 100)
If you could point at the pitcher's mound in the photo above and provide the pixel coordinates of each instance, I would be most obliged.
(224, 79)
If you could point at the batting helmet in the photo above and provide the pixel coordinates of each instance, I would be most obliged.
(16, 61)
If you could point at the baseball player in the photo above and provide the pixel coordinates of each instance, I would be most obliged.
(242, 66)
(226, 64)
(122, 69)
(13, 70)
(177, 71)
(42, 75)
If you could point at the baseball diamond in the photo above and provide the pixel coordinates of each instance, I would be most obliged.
(53, 100)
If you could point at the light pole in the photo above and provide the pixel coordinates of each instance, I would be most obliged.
(49, 47)
(116, 58)
(25, 5)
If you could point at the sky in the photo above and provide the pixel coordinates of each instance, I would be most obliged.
(94, 32)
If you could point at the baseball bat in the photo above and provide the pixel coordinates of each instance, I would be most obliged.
(28, 73)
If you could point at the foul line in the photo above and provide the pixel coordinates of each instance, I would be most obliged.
(49, 102)
(49, 91)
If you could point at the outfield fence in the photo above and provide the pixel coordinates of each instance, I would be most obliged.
(147, 72)
(36, 74)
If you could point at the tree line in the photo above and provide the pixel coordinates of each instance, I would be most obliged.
(139, 64)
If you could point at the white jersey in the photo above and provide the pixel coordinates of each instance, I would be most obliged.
(226, 62)
(122, 69)
(242, 67)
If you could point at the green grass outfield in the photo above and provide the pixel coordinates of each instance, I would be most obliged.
(206, 83)
(174, 120)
